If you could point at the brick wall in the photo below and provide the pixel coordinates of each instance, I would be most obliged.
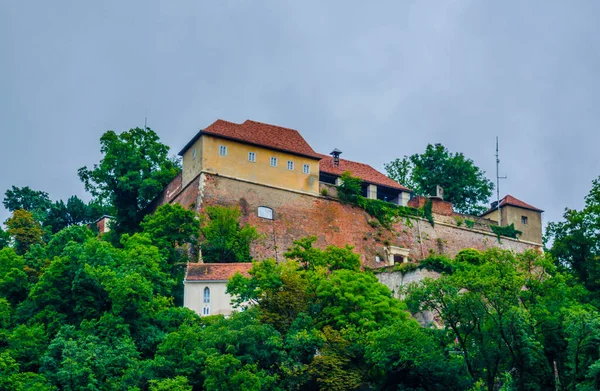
(333, 223)
(438, 206)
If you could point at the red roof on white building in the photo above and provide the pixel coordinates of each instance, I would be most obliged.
(215, 271)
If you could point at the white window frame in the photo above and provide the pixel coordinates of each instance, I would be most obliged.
(252, 157)
(273, 161)
(265, 212)
(205, 311)
(306, 169)
(290, 165)
(222, 150)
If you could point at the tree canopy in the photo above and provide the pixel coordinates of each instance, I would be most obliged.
(225, 239)
(574, 241)
(464, 184)
(133, 171)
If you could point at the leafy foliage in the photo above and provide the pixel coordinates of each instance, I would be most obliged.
(134, 170)
(225, 240)
(24, 230)
(35, 201)
(385, 212)
(506, 313)
(574, 241)
(465, 184)
(508, 230)
(4, 238)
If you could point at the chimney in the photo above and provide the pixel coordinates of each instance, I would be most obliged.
(336, 156)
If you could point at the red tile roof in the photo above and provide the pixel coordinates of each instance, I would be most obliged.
(215, 271)
(359, 170)
(510, 200)
(258, 133)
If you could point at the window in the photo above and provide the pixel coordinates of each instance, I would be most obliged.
(265, 213)
(273, 161)
(251, 157)
(290, 165)
(207, 295)
(523, 219)
(222, 150)
(306, 169)
(206, 311)
(194, 154)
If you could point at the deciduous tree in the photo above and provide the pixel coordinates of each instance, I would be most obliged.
(225, 239)
(464, 184)
(134, 170)
(24, 230)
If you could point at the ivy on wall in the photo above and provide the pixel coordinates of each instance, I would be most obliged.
(509, 231)
(385, 212)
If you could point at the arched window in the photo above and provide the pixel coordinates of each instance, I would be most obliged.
(207, 295)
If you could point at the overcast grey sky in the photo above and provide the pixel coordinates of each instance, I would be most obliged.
(377, 79)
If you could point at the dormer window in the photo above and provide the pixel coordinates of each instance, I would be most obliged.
(222, 150)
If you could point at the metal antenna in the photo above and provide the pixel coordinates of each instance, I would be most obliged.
(498, 177)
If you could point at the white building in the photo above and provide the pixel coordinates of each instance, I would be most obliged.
(205, 285)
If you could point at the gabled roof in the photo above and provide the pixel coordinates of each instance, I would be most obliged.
(215, 271)
(359, 170)
(258, 133)
(512, 201)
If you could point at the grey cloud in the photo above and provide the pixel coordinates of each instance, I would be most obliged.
(378, 81)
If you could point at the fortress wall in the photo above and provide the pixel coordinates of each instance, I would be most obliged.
(298, 215)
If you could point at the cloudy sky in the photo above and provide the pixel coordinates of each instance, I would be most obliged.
(378, 80)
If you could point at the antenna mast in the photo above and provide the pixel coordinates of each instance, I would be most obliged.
(498, 177)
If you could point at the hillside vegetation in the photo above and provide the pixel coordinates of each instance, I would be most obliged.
(82, 311)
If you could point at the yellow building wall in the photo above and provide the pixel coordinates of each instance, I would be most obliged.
(236, 164)
(532, 231)
(192, 166)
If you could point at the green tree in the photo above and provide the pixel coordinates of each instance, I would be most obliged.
(574, 241)
(73, 212)
(25, 231)
(13, 280)
(4, 238)
(333, 257)
(350, 188)
(506, 311)
(172, 226)
(464, 184)
(225, 240)
(178, 383)
(174, 230)
(134, 170)
(34, 201)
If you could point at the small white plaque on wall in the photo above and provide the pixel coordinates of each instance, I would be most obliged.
(265, 213)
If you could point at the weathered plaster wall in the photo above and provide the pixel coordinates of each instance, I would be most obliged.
(532, 230)
(220, 300)
(396, 280)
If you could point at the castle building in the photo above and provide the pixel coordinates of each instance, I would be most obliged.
(277, 157)
(288, 191)
(526, 218)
